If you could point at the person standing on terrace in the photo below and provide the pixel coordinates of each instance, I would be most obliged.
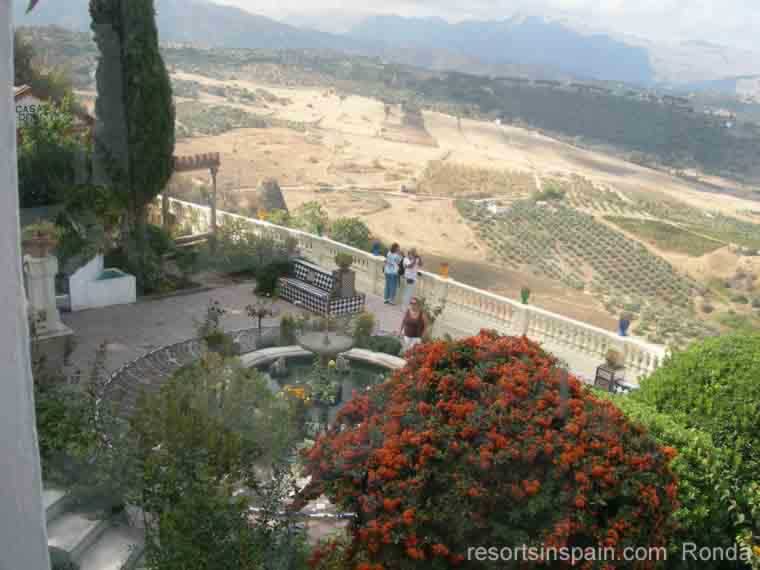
(392, 263)
(412, 264)
(413, 324)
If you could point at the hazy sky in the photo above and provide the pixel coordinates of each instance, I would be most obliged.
(730, 22)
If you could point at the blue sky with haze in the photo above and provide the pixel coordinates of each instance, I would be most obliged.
(729, 22)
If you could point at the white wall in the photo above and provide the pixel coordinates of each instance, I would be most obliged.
(23, 537)
(86, 292)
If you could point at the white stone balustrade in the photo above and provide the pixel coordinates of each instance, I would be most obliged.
(467, 310)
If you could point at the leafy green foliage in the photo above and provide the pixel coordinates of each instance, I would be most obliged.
(385, 344)
(46, 83)
(89, 224)
(205, 432)
(212, 419)
(279, 218)
(707, 488)
(351, 231)
(311, 218)
(344, 260)
(712, 388)
(288, 330)
(134, 137)
(267, 277)
(364, 326)
(51, 159)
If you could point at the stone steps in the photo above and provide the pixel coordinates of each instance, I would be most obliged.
(84, 539)
(74, 533)
(118, 548)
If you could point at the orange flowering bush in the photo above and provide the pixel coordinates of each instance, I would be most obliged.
(487, 442)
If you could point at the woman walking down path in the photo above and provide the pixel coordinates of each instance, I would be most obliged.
(392, 263)
(413, 325)
(412, 264)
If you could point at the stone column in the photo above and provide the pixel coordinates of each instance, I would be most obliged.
(40, 279)
(23, 535)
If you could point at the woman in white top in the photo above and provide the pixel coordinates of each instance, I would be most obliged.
(392, 262)
(412, 265)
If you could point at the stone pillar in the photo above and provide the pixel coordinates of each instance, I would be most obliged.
(40, 280)
(23, 535)
(520, 320)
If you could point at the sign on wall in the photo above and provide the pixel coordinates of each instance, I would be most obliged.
(26, 108)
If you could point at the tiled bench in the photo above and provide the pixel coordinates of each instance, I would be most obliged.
(314, 288)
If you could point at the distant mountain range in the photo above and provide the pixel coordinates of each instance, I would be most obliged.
(529, 47)
(529, 41)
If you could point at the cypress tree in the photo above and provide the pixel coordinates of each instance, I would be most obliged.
(134, 133)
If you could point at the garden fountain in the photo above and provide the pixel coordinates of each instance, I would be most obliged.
(325, 344)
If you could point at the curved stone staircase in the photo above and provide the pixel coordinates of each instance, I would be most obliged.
(90, 542)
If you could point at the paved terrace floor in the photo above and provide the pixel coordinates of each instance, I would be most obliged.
(131, 331)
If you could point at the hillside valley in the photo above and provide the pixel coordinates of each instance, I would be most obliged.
(593, 235)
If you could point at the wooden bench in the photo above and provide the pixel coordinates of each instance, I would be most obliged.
(315, 289)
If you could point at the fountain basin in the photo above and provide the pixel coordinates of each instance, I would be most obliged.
(367, 368)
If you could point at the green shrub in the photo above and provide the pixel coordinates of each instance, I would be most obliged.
(159, 240)
(740, 299)
(706, 480)
(385, 344)
(351, 231)
(344, 261)
(288, 330)
(364, 326)
(712, 387)
(267, 277)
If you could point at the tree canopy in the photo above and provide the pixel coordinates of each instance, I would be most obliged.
(51, 158)
(134, 135)
(488, 441)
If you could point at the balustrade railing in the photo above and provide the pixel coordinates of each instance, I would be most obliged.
(467, 309)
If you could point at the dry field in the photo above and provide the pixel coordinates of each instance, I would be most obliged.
(354, 154)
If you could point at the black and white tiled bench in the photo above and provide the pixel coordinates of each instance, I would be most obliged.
(314, 288)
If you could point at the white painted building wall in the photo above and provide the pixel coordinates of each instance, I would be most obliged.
(86, 291)
(23, 536)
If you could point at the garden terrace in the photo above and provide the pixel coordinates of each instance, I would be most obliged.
(466, 310)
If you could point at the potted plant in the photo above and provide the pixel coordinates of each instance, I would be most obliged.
(344, 261)
(525, 295)
(610, 374)
(614, 359)
(40, 239)
(345, 279)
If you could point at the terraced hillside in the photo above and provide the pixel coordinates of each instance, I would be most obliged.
(565, 244)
